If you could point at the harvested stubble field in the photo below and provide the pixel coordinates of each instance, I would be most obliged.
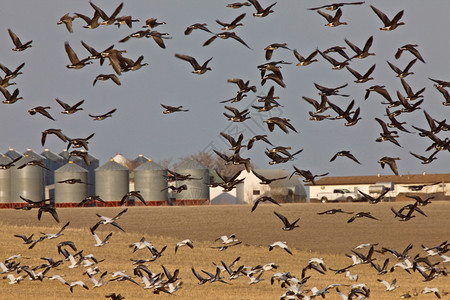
(327, 236)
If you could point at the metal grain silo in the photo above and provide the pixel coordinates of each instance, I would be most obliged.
(94, 164)
(111, 181)
(27, 182)
(197, 188)
(52, 161)
(149, 180)
(13, 154)
(70, 193)
(5, 180)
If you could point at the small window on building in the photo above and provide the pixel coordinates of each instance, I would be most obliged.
(256, 192)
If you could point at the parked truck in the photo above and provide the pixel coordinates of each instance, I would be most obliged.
(338, 195)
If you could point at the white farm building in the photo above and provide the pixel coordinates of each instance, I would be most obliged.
(284, 191)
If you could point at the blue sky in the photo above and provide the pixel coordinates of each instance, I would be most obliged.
(139, 127)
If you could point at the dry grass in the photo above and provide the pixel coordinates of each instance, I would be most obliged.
(327, 236)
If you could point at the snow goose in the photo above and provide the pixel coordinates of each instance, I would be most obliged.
(98, 241)
(186, 242)
(390, 286)
(280, 244)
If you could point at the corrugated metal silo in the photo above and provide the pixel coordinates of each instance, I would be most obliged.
(13, 154)
(94, 163)
(70, 193)
(52, 161)
(149, 180)
(27, 182)
(197, 189)
(111, 181)
(5, 180)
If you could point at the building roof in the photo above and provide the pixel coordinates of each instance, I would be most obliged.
(402, 179)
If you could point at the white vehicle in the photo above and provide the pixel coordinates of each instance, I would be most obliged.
(338, 195)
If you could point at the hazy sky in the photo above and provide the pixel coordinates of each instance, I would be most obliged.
(139, 127)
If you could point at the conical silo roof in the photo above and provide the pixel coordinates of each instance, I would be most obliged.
(141, 159)
(111, 165)
(64, 154)
(120, 159)
(191, 164)
(13, 154)
(149, 165)
(33, 155)
(5, 159)
(52, 156)
(71, 167)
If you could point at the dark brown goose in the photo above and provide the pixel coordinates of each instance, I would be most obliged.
(103, 116)
(410, 48)
(282, 123)
(238, 4)
(75, 62)
(233, 24)
(360, 54)
(57, 132)
(152, 23)
(79, 142)
(225, 35)
(67, 20)
(335, 6)
(260, 11)
(305, 61)
(198, 69)
(272, 47)
(103, 77)
(10, 98)
(107, 20)
(389, 24)
(244, 87)
(201, 26)
(18, 46)
(333, 21)
(405, 72)
(390, 161)
(70, 109)
(12, 74)
(171, 109)
(345, 153)
(42, 110)
(337, 65)
(125, 20)
(362, 78)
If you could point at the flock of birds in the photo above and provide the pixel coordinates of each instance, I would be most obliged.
(327, 108)
(168, 282)
(427, 265)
